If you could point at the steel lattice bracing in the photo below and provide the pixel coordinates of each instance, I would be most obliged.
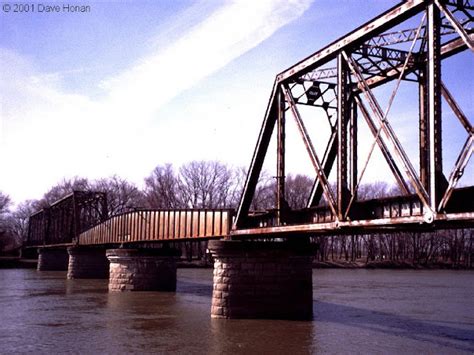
(340, 80)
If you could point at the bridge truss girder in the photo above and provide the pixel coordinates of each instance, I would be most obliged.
(367, 58)
(63, 221)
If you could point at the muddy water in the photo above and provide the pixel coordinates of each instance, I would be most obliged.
(355, 311)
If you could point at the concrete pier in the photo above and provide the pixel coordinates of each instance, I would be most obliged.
(52, 259)
(262, 280)
(142, 269)
(87, 263)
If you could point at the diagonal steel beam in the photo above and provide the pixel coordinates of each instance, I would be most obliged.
(459, 29)
(383, 147)
(257, 159)
(447, 50)
(456, 109)
(328, 161)
(378, 25)
(390, 134)
(311, 152)
(466, 151)
(458, 170)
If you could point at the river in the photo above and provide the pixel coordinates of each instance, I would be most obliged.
(355, 311)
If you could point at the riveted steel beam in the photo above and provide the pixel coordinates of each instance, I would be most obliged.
(388, 19)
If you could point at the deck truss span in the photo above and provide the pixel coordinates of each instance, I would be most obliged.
(159, 226)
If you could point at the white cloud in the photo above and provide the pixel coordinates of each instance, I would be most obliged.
(228, 33)
(46, 133)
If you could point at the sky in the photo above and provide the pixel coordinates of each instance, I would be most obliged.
(129, 85)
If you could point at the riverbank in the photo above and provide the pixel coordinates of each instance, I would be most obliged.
(11, 262)
(387, 264)
(17, 263)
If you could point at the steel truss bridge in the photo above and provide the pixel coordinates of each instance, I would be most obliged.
(409, 42)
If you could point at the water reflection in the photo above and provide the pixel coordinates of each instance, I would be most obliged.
(454, 337)
(262, 337)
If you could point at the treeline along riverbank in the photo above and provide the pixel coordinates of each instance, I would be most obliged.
(211, 184)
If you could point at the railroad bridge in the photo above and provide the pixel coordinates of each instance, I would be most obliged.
(272, 278)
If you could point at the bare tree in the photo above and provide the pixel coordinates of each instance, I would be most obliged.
(297, 190)
(204, 184)
(62, 189)
(19, 219)
(122, 196)
(161, 188)
(264, 197)
(5, 203)
(377, 189)
(6, 235)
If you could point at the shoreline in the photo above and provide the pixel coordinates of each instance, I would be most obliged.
(18, 263)
(388, 264)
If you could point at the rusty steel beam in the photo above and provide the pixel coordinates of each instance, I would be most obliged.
(466, 151)
(343, 114)
(365, 62)
(311, 152)
(383, 224)
(327, 162)
(258, 158)
(353, 144)
(383, 147)
(447, 50)
(436, 182)
(388, 131)
(458, 170)
(456, 109)
(280, 195)
(388, 19)
(459, 29)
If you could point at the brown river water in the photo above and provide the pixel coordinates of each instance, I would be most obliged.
(355, 312)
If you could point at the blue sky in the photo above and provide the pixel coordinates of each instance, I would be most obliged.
(131, 85)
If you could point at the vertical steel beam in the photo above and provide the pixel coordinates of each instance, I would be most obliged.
(343, 112)
(434, 107)
(280, 195)
(423, 130)
(353, 149)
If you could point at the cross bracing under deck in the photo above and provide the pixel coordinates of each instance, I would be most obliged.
(409, 42)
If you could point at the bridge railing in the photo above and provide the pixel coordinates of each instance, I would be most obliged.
(160, 225)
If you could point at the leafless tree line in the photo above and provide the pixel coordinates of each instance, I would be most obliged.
(449, 248)
(211, 184)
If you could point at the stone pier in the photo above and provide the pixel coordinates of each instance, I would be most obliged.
(87, 263)
(262, 280)
(142, 269)
(52, 259)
